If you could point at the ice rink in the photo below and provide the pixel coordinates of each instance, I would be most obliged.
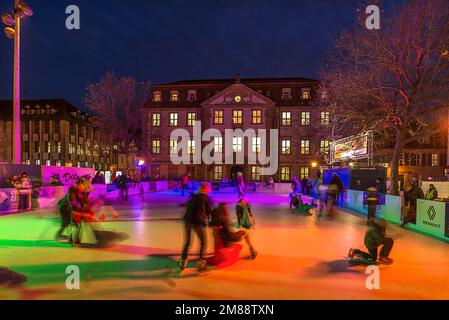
(299, 257)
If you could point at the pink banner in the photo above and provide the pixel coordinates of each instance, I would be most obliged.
(66, 175)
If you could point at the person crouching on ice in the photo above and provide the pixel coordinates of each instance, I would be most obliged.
(196, 217)
(294, 200)
(372, 200)
(374, 238)
(220, 219)
(246, 221)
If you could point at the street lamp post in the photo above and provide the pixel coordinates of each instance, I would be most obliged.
(20, 11)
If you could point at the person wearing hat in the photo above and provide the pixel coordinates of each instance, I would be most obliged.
(372, 200)
(196, 217)
(431, 193)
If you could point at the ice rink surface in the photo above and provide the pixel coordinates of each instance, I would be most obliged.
(299, 257)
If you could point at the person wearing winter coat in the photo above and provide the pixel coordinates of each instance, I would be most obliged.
(431, 193)
(220, 219)
(196, 218)
(246, 222)
(375, 238)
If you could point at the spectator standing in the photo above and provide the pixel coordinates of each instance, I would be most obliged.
(431, 193)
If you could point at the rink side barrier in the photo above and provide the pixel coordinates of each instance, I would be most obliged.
(50, 195)
(432, 217)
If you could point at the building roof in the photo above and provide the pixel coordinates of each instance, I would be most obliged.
(197, 82)
(59, 104)
(206, 88)
(64, 110)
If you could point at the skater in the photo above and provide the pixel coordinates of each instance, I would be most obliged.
(240, 186)
(413, 194)
(295, 186)
(246, 221)
(74, 200)
(142, 192)
(305, 186)
(303, 207)
(374, 238)
(294, 200)
(335, 185)
(196, 217)
(220, 219)
(123, 187)
(431, 193)
(372, 200)
(380, 186)
(184, 183)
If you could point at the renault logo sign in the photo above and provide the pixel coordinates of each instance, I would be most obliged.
(431, 213)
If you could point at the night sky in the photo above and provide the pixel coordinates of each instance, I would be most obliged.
(169, 40)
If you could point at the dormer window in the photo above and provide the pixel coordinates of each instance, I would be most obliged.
(286, 94)
(305, 94)
(191, 95)
(324, 95)
(174, 96)
(157, 96)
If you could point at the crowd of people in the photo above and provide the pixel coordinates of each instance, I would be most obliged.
(24, 187)
(78, 210)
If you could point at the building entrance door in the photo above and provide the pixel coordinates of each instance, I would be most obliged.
(235, 170)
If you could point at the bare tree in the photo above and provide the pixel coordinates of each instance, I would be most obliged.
(118, 101)
(394, 80)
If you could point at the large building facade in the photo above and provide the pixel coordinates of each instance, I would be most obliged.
(56, 133)
(286, 105)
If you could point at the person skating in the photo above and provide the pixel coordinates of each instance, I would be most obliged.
(240, 186)
(295, 186)
(413, 194)
(375, 238)
(184, 183)
(336, 186)
(196, 217)
(380, 186)
(294, 200)
(123, 187)
(246, 221)
(372, 201)
(74, 200)
(304, 186)
(220, 219)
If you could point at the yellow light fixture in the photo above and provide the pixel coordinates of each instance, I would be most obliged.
(314, 164)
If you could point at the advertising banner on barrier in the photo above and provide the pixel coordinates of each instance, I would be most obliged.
(391, 211)
(66, 175)
(431, 217)
(9, 200)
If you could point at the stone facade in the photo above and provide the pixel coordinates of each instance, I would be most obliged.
(283, 104)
